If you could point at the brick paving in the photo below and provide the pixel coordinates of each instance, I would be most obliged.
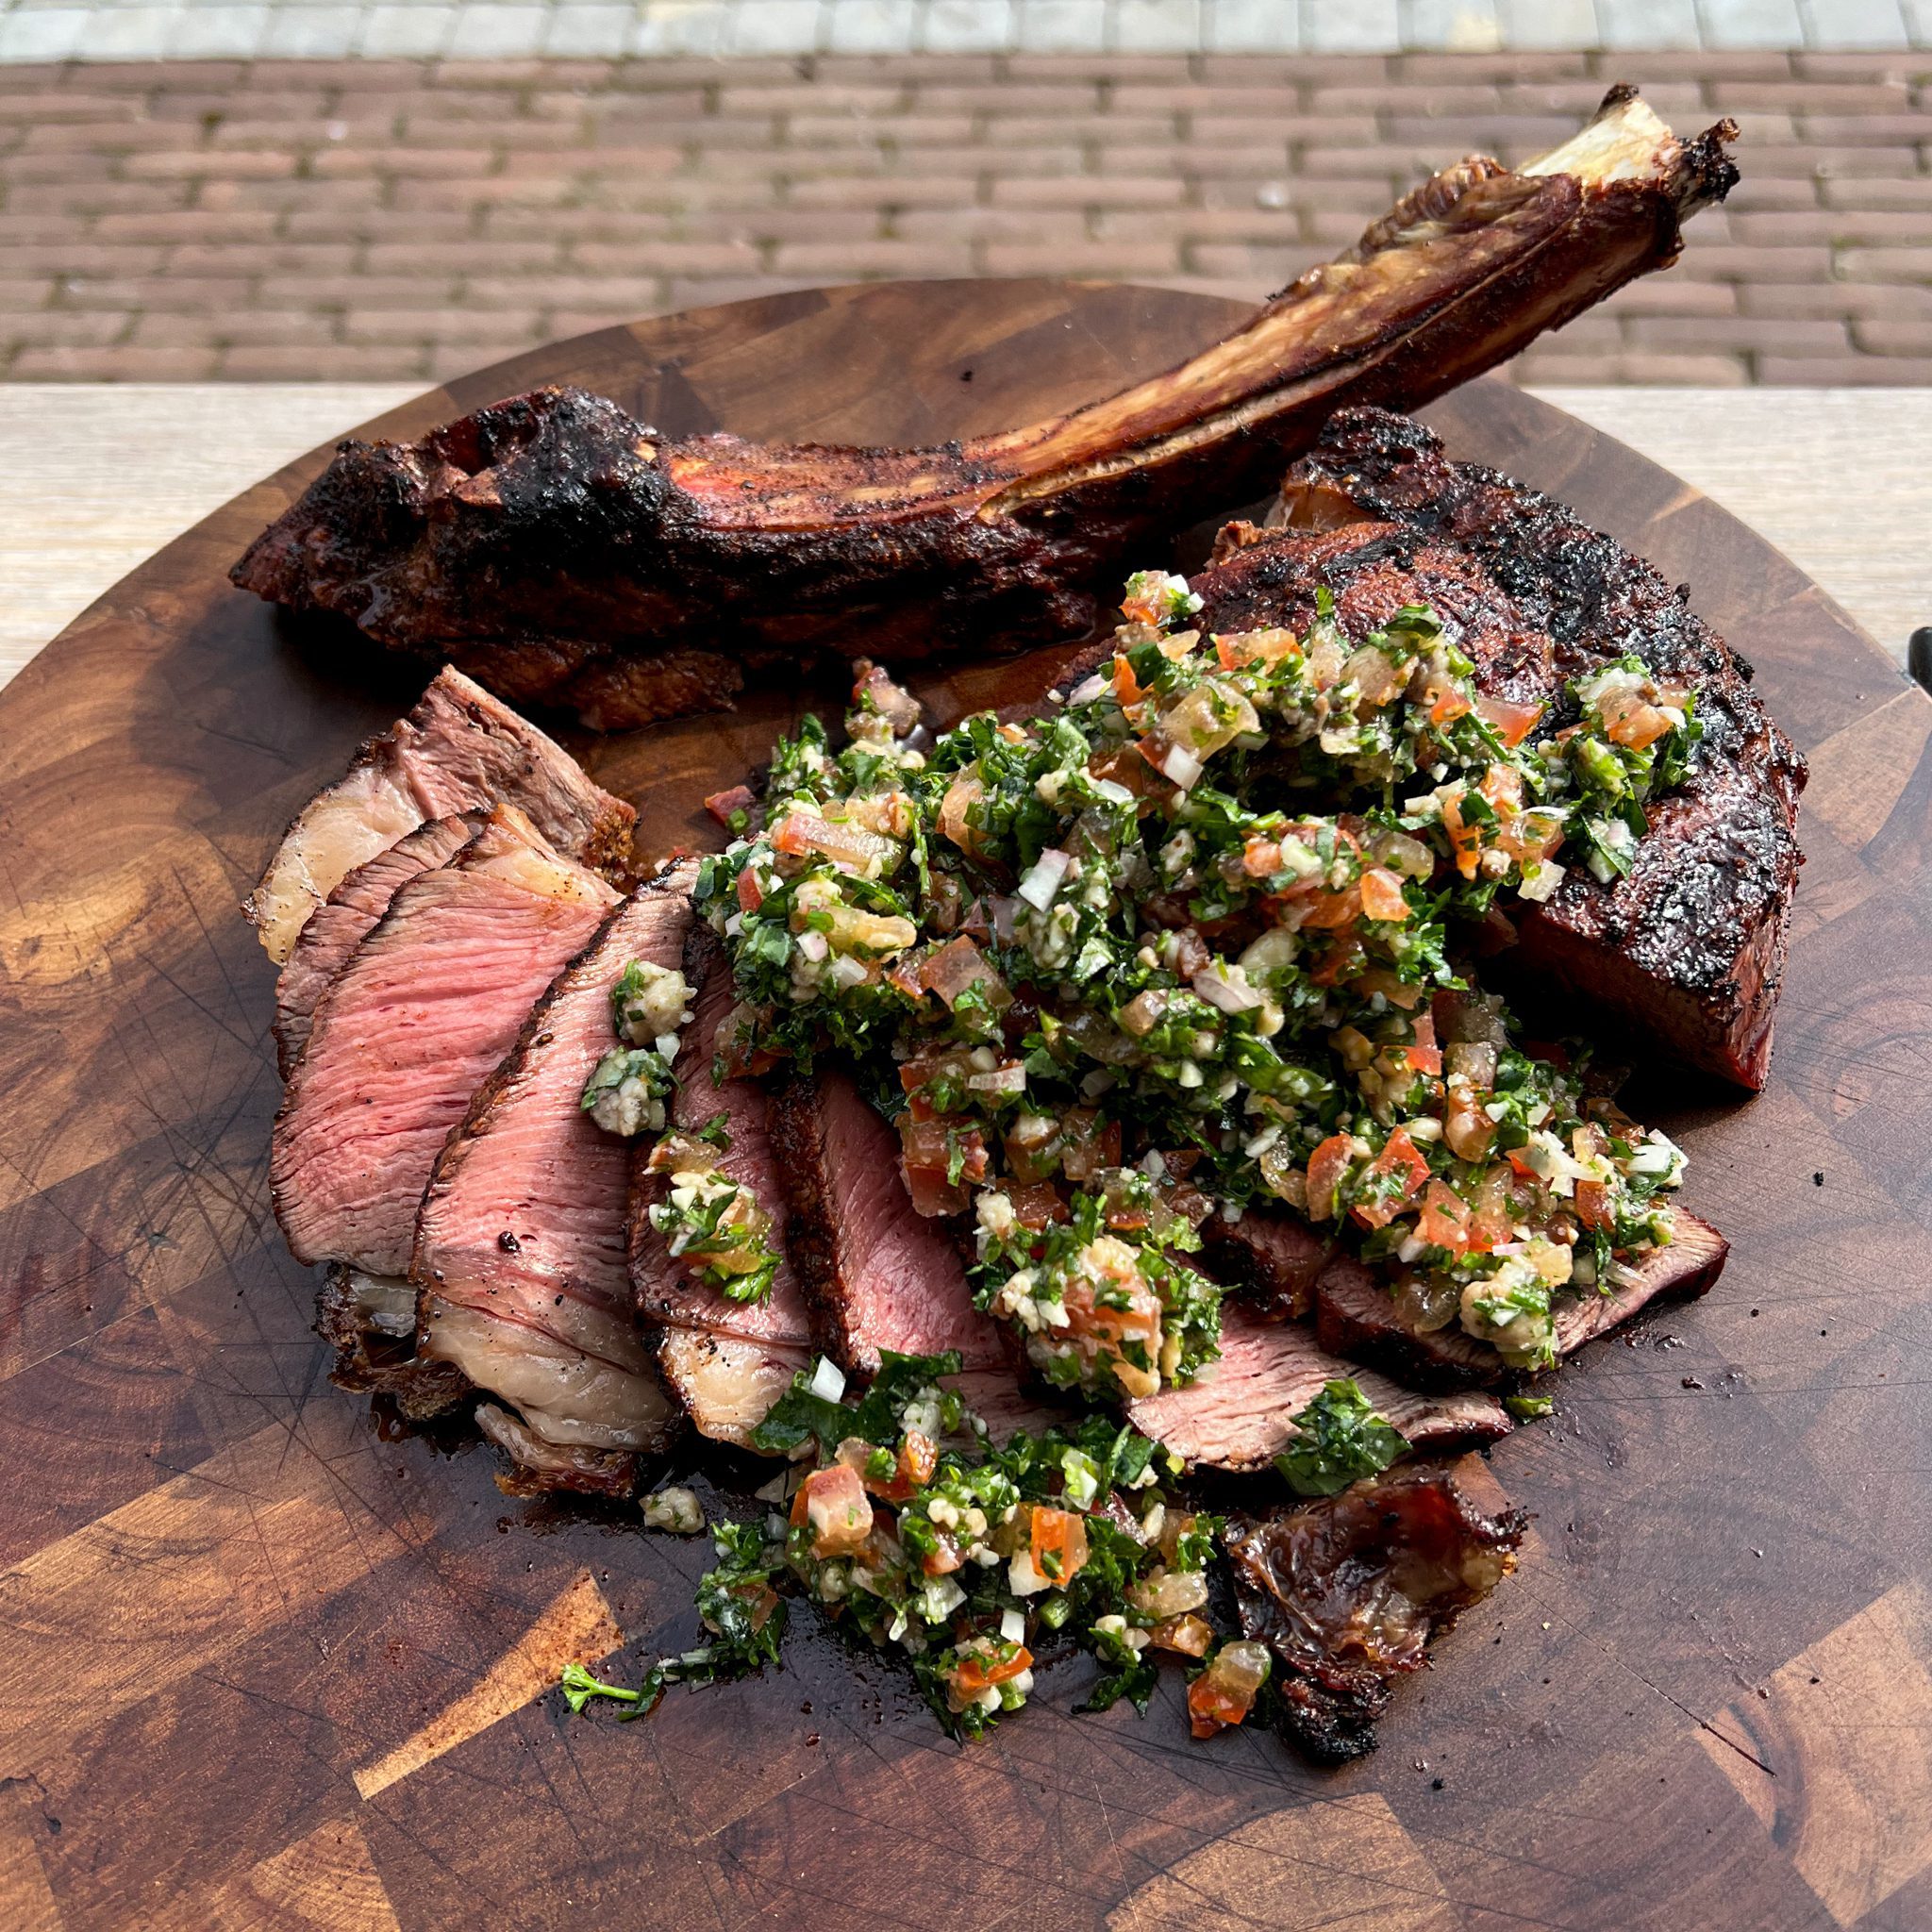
(312, 220)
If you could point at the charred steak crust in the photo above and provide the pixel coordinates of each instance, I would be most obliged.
(1690, 945)
(811, 1235)
(1349, 1592)
(370, 1363)
(567, 554)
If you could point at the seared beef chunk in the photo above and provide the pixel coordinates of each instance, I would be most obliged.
(1349, 1592)
(727, 1360)
(1689, 948)
(1240, 1413)
(425, 1007)
(459, 749)
(520, 1242)
(1355, 1315)
(879, 1274)
(564, 553)
(335, 930)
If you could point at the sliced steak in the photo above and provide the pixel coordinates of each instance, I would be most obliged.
(519, 1254)
(1355, 1316)
(1349, 1592)
(722, 1357)
(459, 749)
(879, 1274)
(425, 1007)
(1240, 1413)
(1269, 1260)
(334, 931)
(1689, 949)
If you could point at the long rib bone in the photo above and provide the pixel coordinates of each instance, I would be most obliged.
(564, 554)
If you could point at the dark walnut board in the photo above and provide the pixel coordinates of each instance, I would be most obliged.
(264, 1664)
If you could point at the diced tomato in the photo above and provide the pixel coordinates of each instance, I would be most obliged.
(945, 1557)
(1445, 1222)
(957, 965)
(919, 1455)
(927, 1149)
(1381, 896)
(1465, 841)
(1224, 1692)
(1059, 1544)
(1448, 706)
(975, 1673)
(1511, 721)
(1333, 911)
(1260, 857)
(963, 793)
(850, 848)
(1185, 1636)
(1402, 1159)
(1593, 1208)
(1424, 1056)
(720, 805)
(1126, 687)
(1037, 1206)
(1466, 1127)
(750, 894)
(1631, 718)
(833, 1504)
(1088, 1145)
(1328, 1167)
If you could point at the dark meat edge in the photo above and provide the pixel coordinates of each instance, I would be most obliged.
(369, 1362)
(1354, 1315)
(550, 545)
(1689, 949)
(1324, 1701)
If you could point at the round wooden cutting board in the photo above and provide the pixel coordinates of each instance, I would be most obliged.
(266, 1663)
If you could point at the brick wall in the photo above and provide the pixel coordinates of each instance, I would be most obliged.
(304, 219)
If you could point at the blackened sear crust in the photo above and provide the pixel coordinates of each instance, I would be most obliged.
(1689, 949)
(1349, 1592)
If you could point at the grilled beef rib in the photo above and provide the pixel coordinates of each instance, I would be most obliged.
(567, 555)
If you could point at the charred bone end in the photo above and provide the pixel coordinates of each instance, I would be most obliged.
(1349, 1592)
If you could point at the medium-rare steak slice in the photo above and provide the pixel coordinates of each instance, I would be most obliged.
(565, 553)
(727, 1360)
(425, 1007)
(1689, 948)
(1348, 1592)
(1240, 1413)
(878, 1273)
(519, 1257)
(459, 749)
(1357, 1316)
(336, 930)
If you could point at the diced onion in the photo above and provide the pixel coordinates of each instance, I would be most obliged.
(1088, 689)
(829, 1381)
(1011, 1079)
(814, 946)
(1230, 997)
(847, 972)
(1113, 791)
(1042, 884)
(1181, 766)
(1013, 1626)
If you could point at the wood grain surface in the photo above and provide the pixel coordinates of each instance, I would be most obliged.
(269, 1663)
